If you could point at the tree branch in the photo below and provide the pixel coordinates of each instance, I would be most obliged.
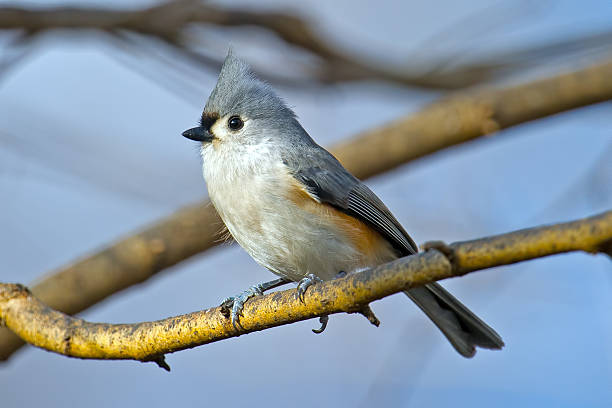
(193, 229)
(465, 116)
(169, 21)
(149, 341)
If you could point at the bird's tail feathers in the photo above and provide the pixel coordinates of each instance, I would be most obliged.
(460, 326)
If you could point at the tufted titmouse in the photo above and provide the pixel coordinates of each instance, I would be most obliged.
(293, 207)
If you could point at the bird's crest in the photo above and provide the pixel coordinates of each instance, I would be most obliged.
(239, 91)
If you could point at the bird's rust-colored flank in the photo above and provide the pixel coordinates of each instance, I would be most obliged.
(365, 239)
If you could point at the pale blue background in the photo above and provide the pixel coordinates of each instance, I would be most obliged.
(91, 150)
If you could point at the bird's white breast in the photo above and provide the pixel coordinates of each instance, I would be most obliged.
(248, 185)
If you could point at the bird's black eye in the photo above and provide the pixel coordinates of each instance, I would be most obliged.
(235, 123)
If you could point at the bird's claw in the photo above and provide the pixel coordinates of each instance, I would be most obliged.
(226, 306)
(232, 306)
(323, 320)
(304, 284)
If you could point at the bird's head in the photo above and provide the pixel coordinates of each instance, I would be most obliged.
(243, 110)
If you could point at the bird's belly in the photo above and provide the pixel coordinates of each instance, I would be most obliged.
(293, 235)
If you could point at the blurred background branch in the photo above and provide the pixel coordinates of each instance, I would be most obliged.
(44, 327)
(171, 24)
(194, 229)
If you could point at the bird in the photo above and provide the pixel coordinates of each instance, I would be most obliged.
(297, 211)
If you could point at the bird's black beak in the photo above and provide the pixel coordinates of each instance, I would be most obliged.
(199, 134)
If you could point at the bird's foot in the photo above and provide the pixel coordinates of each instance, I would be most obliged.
(306, 282)
(232, 306)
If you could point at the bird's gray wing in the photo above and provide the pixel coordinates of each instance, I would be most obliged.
(329, 182)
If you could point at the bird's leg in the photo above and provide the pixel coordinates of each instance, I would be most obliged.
(232, 306)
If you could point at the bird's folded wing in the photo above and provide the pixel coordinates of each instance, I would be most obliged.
(328, 182)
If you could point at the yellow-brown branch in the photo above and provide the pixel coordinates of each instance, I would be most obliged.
(44, 327)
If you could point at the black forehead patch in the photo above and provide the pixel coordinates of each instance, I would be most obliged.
(208, 119)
